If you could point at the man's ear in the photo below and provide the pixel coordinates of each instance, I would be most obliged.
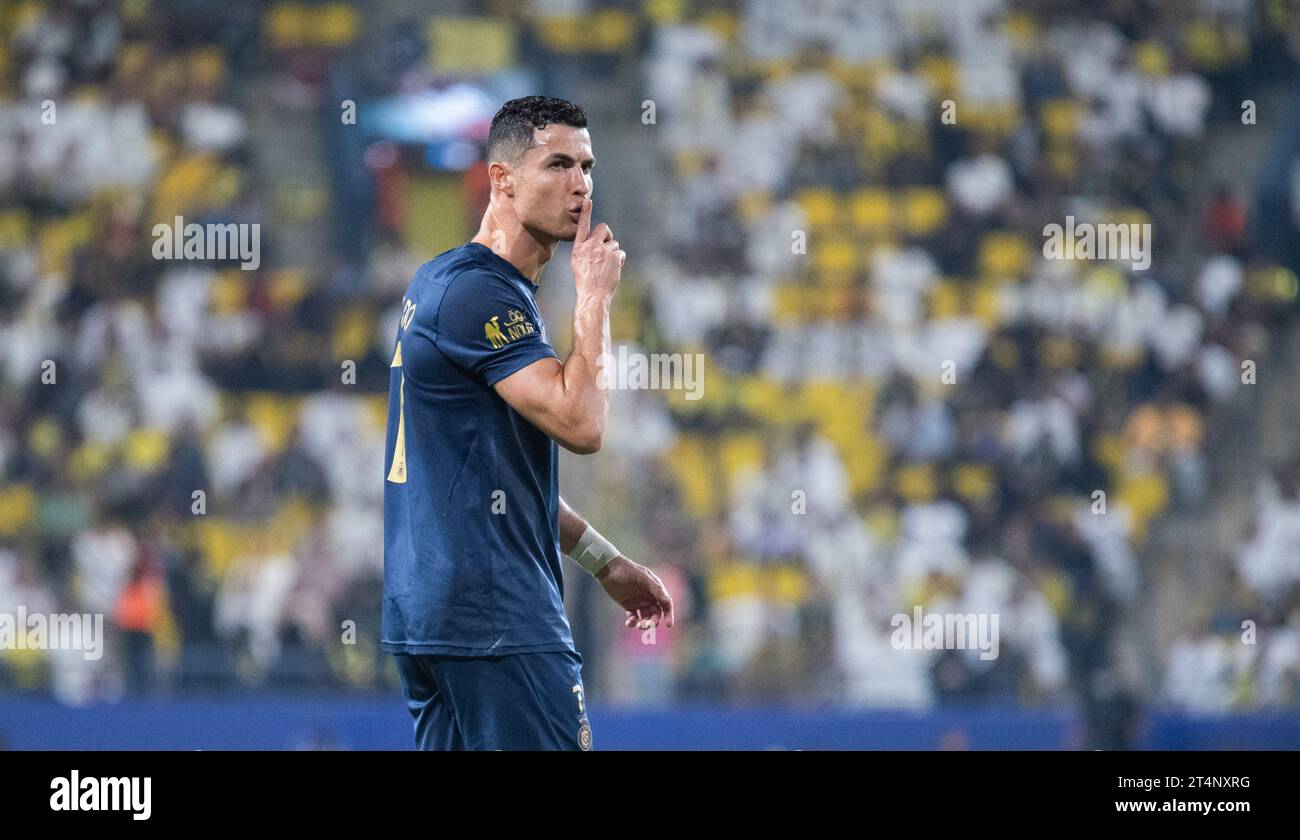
(502, 177)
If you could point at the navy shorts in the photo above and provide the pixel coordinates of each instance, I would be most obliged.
(520, 701)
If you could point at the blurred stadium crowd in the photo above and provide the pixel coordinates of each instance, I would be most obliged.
(854, 197)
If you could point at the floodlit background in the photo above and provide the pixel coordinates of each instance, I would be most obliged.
(841, 204)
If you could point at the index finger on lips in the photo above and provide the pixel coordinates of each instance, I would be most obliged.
(584, 222)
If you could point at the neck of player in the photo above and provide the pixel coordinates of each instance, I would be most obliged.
(502, 231)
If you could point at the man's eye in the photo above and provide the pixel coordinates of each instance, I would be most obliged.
(556, 164)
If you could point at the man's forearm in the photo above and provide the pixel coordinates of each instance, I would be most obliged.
(585, 545)
(581, 371)
(571, 527)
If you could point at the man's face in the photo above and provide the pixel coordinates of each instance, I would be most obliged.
(552, 179)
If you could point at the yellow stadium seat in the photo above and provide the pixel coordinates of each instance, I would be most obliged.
(1022, 29)
(17, 508)
(58, 241)
(819, 398)
(228, 292)
(220, 542)
(773, 69)
(207, 66)
(734, 580)
(760, 396)
(925, 210)
(20, 15)
(883, 523)
(89, 461)
(664, 11)
(607, 31)
(859, 77)
(916, 482)
(1145, 495)
(1056, 590)
(275, 417)
(184, 187)
(872, 210)
(945, 300)
(973, 482)
(1203, 45)
(865, 461)
(15, 228)
(835, 256)
(987, 303)
(288, 286)
(333, 25)
(791, 302)
(690, 464)
(1060, 118)
(880, 138)
(753, 205)
(353, 334)
(1151, 58)
(1003, 255)
(1104, 280)
(785, 584)
(45, 438)
(941, 72)
(146, 449)
(614, 31)
(834, 302)
(740, 452)
(460, 44)
(285, 25)
(725, 24)
(997, 121)
(819, 207)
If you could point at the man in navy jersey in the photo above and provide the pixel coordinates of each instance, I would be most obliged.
(474, 524)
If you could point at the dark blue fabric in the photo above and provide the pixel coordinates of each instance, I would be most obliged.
(471, 512)
(524, 701)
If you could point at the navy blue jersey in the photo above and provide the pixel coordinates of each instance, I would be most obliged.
(471, 491)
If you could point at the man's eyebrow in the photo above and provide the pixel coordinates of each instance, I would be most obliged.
(554, 156)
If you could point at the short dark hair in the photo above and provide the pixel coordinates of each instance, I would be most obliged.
(511, 133)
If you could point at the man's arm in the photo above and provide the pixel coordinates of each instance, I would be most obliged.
(634, 587)
(571, 527)
(566, 401)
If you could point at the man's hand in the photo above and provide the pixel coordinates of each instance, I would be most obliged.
(597, 260)
(639, 591)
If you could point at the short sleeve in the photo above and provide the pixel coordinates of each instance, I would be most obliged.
(486, 326)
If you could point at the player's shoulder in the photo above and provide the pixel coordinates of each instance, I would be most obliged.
(464, 272)
(460, 284)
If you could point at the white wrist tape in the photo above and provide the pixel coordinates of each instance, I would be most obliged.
(593, 552)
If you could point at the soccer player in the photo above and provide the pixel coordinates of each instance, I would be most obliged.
(473, 520)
